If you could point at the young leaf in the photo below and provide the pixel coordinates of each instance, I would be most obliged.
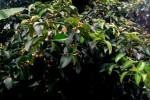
(60, 37)
(81, 39)
(122, 76)
(144, 76)
(128, 63)
(109, 46)
(138, 78)
(74, 20)
(141, 65)
(119, 56)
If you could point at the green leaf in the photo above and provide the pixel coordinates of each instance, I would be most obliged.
(109, 46)
(81, 39)
(128, 63)
(74, 59)
(111, 68)
(119, 56)
(133, 69)
(122, 76)
(37, 41)
(86, 26)
(64, 61)
(141, 65)
(60, 37)
(7, 54)
(73, 20)
(53, 46)
(42, 12)
(148, 50)
(102, 24)
(147, 69)
(5, 13)
(28, 45)
(144, 76)
(138, 78)
(8, 82)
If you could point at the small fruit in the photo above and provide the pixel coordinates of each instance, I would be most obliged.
(74, 29)
(64, 30)
(80, 24)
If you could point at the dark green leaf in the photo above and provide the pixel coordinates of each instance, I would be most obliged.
(7, 54)
(60, 37)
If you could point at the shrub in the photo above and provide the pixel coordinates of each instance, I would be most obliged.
(58, 53)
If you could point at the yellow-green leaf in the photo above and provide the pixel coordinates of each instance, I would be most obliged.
(109, 46)
(128, 63)
(122, 76)
(138, 78)
(119, 56)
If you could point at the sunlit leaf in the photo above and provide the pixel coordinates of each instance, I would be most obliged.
(128, 63)
(138, 78)
(119, 56)
(141, 65)
(109, 46)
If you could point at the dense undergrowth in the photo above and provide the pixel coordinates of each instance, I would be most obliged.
(55, 52)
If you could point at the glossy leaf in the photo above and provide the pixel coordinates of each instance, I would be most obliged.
(119, 56)
(60, 37)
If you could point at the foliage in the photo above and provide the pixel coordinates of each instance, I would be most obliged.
(5, 13)
(58, 53)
